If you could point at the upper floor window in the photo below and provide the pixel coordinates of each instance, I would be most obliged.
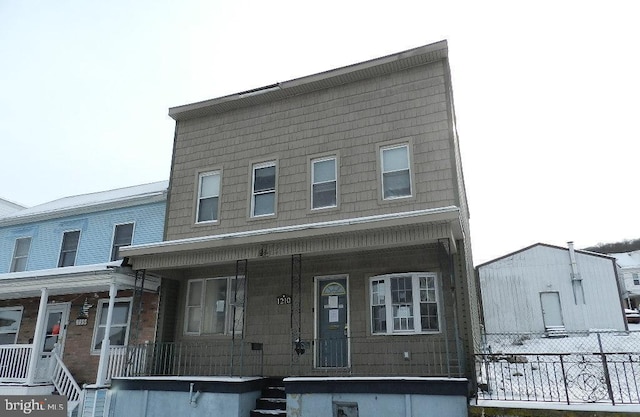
(120, 321)
(404, 303)
(636, 279)
(396, 175)
(122, 236)
(208, 196)
(263, 194)
(324, 185)
(209, 308)
(10, 318)
(20, 254)
(69, 248)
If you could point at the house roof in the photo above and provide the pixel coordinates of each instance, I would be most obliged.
(86, 203)
(356, 72)
(627, 259)
(545, 245)
(7, 207)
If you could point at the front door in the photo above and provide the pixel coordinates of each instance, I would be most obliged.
(332, 347)
(551, 310)
(54, 332)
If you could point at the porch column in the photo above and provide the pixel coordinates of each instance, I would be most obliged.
(38, 336)
(101, 378)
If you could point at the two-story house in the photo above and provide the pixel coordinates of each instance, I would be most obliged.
(317, 231)
(629, 263)
(64, 293)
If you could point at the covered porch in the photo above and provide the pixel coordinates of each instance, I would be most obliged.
(50, 315)
(307, 301)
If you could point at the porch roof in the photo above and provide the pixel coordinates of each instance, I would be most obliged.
(345, 235)
(70, 280)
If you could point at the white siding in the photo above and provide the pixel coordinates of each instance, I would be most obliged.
(511, 289)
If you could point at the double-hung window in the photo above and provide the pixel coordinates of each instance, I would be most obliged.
(404, 303)
(396, 174)
(10, 318)
(69, 248)
(210, 306)
(122, 236)
(636, 279)
(263, 194)
(208, 197)
(20, 254)
(120, 321)
(324, 185)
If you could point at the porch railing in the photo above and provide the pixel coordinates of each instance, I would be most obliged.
(359, 356)
(14, 362)
(63, 380)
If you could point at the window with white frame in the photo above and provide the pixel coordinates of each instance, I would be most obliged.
(324, 185)
(120, 321)
(636, 279)
(20, 254)
(396, 174)
(404, 303)
(210, 306)
(263, 194)
(122, 236)
(208, 197)
(69, 248)
(10, 318)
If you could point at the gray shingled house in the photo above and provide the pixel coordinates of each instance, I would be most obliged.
(316, 231)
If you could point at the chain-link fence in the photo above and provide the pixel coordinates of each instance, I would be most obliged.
(601, 366)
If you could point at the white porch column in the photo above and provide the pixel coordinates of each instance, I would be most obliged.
(101, 378)
(38, 336)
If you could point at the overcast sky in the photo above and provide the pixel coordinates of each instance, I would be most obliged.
(547, 95)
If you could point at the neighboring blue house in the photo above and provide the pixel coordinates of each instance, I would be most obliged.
(63, 288)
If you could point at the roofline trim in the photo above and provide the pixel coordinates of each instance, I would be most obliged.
(442, 214)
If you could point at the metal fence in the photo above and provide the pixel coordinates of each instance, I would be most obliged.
(358, 356)
(579, 368)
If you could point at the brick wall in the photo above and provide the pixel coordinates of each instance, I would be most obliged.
(77, 354)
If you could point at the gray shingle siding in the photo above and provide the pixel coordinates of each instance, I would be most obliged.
(352, 119)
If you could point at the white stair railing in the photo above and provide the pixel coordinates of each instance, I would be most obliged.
(64, 382)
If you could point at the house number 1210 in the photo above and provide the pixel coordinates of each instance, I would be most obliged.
(284, 299)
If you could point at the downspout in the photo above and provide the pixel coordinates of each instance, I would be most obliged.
(38, 336)
(101, 378)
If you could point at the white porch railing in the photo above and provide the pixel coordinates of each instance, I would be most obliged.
(127, 361)
(64, 381)
(14, 362)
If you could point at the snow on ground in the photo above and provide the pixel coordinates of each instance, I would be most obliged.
(561, 370)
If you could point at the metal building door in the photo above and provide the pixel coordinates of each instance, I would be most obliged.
(551, 310)
(332, 347)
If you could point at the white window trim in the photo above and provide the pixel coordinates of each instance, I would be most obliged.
(113, 236)
(101, 303)
(382, 171)
(75, 258)
(228, 319)
(15, 247)
(335, 175)
(21, 309)
(201, 175)
(415, 286)
(253, 192)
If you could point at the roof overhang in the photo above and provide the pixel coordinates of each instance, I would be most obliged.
(70, 280)
(339, 236)
(376, 67)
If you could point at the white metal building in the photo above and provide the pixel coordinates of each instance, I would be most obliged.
(550, 289)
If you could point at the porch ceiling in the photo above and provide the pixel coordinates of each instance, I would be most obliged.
(343, 236)
(71, 280)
